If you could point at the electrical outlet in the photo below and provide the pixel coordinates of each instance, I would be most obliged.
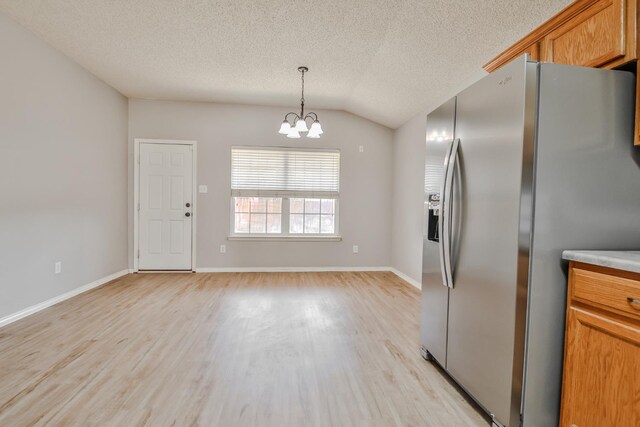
(203, 189)
(223, 249)
(58, 267)
(361, 148)
(355, 249)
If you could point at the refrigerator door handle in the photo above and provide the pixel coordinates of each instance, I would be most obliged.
(447, 212)
(443, 214)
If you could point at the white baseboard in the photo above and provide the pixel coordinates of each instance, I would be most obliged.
(284, 269)
(306, 269)
(406, 278)
(48, 303)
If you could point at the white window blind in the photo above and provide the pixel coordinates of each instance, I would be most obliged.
(288, 172)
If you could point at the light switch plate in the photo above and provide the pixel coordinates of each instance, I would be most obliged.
(355, 249)
(58, 267)
(203, 189)
(361, 148)
(223, 249)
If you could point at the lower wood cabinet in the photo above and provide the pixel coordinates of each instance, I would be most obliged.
(601, 381)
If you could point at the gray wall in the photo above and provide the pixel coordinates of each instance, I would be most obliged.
(63, 173)
(365, 187)
(408, 194)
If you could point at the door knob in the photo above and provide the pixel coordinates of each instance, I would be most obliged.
(188, 205)
(187, 214)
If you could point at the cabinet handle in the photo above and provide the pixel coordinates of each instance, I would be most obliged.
(633, 300)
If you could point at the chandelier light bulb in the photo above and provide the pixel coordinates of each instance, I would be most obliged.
(313, 134)
(301, 126)
(284, 128)
(316, 128)
(293, 133)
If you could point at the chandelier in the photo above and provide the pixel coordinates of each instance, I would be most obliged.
(298, 123)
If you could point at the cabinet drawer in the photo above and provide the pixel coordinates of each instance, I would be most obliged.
(604, 290)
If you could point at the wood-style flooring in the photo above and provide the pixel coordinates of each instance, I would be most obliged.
(228, 349)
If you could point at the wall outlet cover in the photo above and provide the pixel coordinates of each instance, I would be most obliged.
(361, 148)
(355, 249)
(223, 249)
(58, 267)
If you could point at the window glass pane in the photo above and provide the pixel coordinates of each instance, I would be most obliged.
(296, 205)
(274, 223)
(242, 223)
(251, 215)
(312, 223)
(328, 206)
(312, 206)
(327, 224)
(258, 204)
(258, 223)
(296, 223)
(274, 205)
(242, 204)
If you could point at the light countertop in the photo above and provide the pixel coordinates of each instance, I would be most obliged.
(621, 260)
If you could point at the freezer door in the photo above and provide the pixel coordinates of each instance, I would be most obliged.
(435, 295)
(487, 305)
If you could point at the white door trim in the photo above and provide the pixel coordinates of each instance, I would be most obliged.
(136, 194)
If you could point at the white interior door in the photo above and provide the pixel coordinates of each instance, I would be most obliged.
(166, 206)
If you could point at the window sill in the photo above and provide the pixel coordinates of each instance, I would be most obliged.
(287, 238)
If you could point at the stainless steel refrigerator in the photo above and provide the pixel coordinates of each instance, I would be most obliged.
(533, 159)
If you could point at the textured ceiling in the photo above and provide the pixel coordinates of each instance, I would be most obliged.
(385, 60)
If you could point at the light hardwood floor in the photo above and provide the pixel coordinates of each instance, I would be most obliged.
(228, 349)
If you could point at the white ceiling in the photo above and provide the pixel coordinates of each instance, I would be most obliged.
(385, 60)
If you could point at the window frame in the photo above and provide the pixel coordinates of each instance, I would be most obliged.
(285, 235)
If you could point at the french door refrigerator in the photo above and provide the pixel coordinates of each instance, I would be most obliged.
(532, 159)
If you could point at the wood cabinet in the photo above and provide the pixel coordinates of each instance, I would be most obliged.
(601, 380)
(589, 33)
(596, 37)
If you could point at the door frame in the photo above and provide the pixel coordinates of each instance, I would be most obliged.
(136, 195)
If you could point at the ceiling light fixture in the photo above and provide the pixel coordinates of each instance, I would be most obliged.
(299, 122)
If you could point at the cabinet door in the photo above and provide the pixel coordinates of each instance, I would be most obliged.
(601, 384)
(593, 38)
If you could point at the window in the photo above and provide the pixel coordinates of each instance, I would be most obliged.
(258, 215)
(284, 192)
(312, 216)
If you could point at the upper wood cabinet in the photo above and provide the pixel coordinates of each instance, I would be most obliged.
(597, 37)
(589, 33)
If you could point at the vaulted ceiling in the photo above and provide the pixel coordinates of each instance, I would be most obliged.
(385, 60)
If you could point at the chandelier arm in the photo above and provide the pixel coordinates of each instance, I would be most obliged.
(315, 116)
(289, 113)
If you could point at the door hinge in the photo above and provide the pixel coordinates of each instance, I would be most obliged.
(138, 253)
(138, 207)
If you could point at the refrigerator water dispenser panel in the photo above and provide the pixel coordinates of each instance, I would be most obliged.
(434, 216)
